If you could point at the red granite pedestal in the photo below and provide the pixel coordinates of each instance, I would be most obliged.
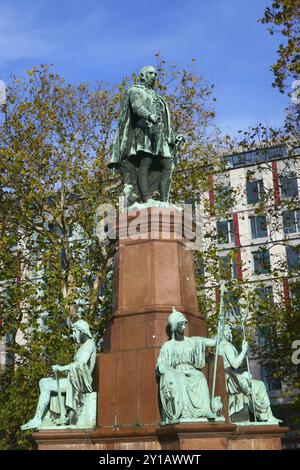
(153, 271)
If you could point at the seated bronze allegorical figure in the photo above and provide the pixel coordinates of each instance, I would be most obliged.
(66, 397)
(243, 391)
(183, 387)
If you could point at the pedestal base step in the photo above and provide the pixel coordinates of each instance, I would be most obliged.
(188, 436)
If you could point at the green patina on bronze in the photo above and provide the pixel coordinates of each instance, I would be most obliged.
(183, 387)
(145, 146)
(69, 401)
(243, 391)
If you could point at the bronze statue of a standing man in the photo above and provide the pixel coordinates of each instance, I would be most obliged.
(145, 144)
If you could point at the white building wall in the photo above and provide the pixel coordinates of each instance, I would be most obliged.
(275, 240)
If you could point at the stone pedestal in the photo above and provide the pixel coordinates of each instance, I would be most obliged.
(194, 436)
(219, 436)
(153, 271)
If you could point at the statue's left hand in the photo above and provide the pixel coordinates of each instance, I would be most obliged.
(57, 368)
(245, 346)
(180, 138)
(248, 375)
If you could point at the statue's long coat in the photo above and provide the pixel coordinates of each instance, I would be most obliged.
(135, 133)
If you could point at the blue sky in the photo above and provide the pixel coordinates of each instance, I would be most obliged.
(91, 40)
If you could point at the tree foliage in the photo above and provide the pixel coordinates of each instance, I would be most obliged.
(55, 142)
(284, 17)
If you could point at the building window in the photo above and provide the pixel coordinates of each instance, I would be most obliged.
(54, 228)
(200, 267)
(292, 257)
(294, 291)
(255, 156)
(63, 259)
(267, 342)
(258, 226)
(289, 186)
(291, 221)
(264, 296)
(261, 261)
(267, 337)
(232, 303)
(255, 191)
(224, 198)
(225, 231)
(8, 339)
(228, 267)
(267, 375)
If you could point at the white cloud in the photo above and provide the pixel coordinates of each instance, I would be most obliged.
(19, 35)
(30, 30)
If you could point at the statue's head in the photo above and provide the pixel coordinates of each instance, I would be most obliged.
(83, 327)
(176, 319)
(148, 76)
(227, 332)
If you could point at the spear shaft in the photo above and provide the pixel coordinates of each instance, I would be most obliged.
(59, 399)
(218, 338)
(249, 372)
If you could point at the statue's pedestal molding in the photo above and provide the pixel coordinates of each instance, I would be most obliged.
(220, 436)
(193, 436)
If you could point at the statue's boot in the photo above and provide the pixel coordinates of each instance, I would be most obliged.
(270, 418)
(211, 416)
(151, 201)
(165, 187)
(166, 179)
(273, 420)
(32, 423)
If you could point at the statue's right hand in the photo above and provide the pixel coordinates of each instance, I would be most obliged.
(114, 169)
(153, 118)
(245, 345)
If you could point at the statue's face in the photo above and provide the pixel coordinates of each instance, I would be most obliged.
(150, 76)
(181, 326)
(228, 333)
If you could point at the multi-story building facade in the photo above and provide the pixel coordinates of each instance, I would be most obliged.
(257, 235)
(263, 240)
